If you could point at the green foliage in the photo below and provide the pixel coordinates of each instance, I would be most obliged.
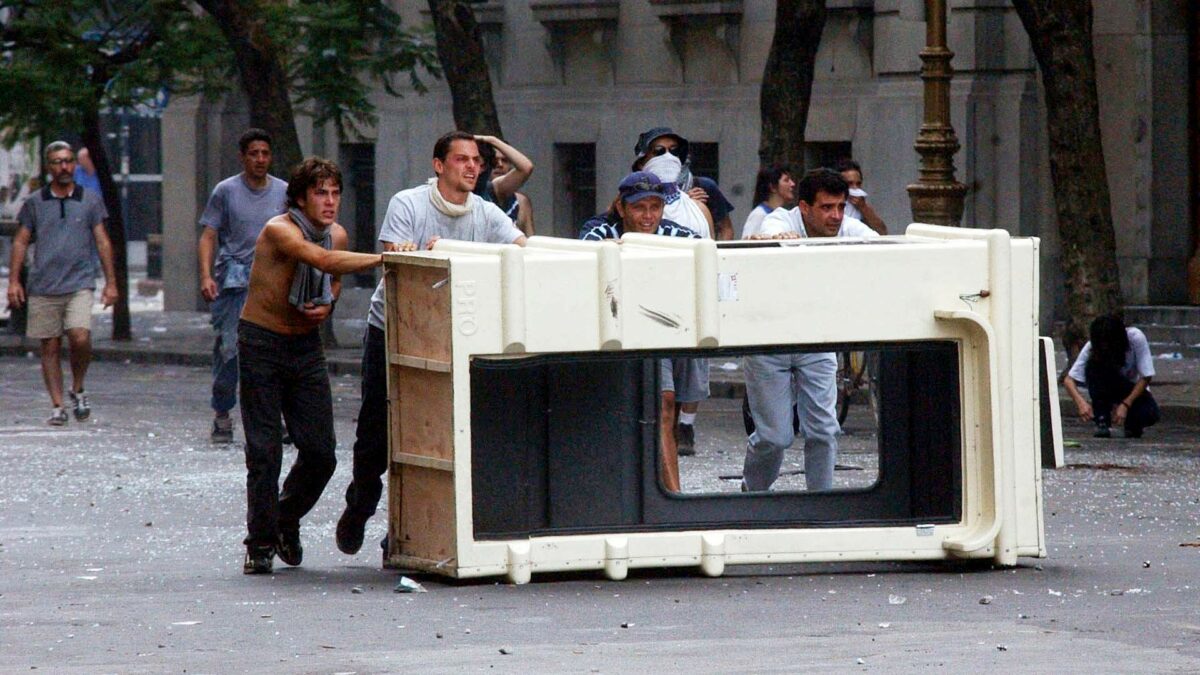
(61, 58)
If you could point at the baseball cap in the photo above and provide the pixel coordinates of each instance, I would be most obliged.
(640, 185)
(648, 136)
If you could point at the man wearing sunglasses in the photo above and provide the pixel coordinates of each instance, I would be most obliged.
(66, 222)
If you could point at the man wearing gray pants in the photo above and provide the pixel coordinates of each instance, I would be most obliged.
(777, 382)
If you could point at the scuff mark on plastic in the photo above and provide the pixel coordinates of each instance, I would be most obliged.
(668, 320)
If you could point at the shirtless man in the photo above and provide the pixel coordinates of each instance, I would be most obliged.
(294, 282)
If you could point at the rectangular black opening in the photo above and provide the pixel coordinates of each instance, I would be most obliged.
(569, 443)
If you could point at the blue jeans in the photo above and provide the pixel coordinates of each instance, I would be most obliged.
(226, 310)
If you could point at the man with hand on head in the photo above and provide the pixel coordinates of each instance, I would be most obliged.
(294, 282)
(445, 207)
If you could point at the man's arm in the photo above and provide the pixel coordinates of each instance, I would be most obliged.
(1122, 408)
(288, 241)
(869, 216)
(20, 244)
(524, 214)
(723, 229)
(104, 248)
(318, 313)
(1084, 408)
(205, 249)
(522, 168)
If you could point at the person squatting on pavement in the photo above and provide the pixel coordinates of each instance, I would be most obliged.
(777, 383)
(294, 282)
(65, 222)
(1116, 367)
(641, 197)
(236, 212)
(443, 208)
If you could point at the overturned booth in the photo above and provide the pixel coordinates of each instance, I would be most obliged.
(524, 400)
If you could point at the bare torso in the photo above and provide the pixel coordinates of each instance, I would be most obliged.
(271, 280)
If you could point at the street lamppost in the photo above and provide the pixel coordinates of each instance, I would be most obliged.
(937, 198)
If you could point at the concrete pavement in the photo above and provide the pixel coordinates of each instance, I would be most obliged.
(120, 552)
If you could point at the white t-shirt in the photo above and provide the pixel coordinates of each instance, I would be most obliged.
(411, 217)
(754, 221)
(1138, 362)
(790, 220)
(686, 212)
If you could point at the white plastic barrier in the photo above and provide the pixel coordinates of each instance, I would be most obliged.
(975, 288)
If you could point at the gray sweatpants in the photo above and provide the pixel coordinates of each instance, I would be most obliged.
(773, 384)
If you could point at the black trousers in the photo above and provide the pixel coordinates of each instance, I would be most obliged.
(1107, 387)
(371, 436)
(283, 374)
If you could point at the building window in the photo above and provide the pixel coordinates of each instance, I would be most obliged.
(574, 187)
(706, 160)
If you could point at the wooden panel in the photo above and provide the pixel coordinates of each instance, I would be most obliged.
(426, 413)
(420, 307)
(426, 508)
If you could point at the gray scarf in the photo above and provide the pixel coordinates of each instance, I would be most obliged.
(310, 285)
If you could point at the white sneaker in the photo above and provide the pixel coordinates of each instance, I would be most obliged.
(80, 404)
(58, 417)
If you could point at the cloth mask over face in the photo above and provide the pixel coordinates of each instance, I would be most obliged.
(666, 166)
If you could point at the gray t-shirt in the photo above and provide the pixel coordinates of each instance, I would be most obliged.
(238, 214)
(411, 217)
(61, 230)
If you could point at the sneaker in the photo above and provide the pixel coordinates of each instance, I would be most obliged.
(685, 439)
(58, 417)
(222, 431)
(80, 404)
(1102, 431)
(350, 532)
(289, 550)
(258, 560)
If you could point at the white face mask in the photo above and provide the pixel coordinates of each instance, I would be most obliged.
(666, 166)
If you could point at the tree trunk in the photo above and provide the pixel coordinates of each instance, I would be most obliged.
(94, 141)
(460, 51)
(262, 77)
(1060, 32)
(788, 79)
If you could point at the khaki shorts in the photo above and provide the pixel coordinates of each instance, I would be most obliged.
(52, 315)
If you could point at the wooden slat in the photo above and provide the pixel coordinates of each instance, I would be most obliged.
(421, 460)
(427, 504)
(420, 363)
(426, 413)
(422, 312)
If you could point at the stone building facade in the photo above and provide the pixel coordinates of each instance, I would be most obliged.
(577, 80)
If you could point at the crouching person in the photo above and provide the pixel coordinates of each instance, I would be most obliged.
(294, 281)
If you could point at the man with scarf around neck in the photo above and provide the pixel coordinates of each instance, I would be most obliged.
(444, 207)
(294, 281)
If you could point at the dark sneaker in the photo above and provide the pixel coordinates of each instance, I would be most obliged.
(685, 439)
(1102, 431)
(350, 532)
(258, 560)
(79, 402)
(222, 431)
(57, 418)
(289, 550)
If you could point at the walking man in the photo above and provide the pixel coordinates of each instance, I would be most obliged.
(65, 222)
(236, 212)
(778, 383)
(294, 281)
(443, 208)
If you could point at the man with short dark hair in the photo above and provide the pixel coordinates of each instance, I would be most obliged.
(856, 199)
(294, 281)
(444, 207)
(236, 212)
(65, 222)
(778, 383)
